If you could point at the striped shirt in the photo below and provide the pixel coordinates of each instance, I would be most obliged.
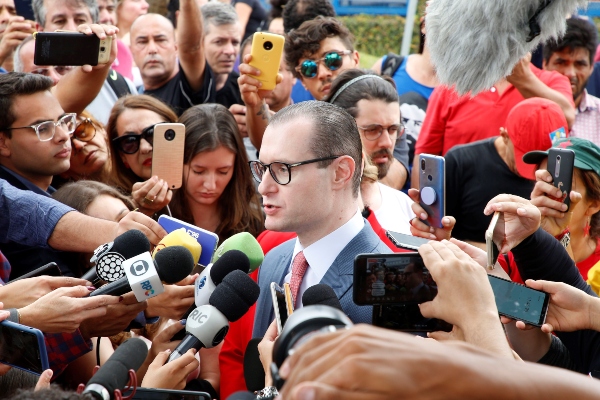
(587, 119)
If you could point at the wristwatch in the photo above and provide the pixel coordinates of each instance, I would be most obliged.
(564, 238)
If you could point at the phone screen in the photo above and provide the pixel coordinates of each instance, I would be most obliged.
(519, 302)
(20, 348)
(279, 305)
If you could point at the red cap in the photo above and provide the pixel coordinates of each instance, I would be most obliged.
(534, 124)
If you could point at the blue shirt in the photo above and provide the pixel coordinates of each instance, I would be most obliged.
(405, 84)
(299, 93)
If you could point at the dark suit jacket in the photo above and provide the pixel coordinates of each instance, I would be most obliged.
(339, 276)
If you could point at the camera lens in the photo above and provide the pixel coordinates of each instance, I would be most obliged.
(423, 165)
(169, 134)
(103, 49)
(268, 45)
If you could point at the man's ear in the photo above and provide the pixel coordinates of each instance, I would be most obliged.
(38, 27)
(4, 145)
(344, 170)
(356, 58)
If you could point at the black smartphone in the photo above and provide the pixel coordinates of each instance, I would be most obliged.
(23, 347)
(167, 394)
(403, 241)
(560, 166)
(519, 302)
(70, 48)
(432, 188)
(50, 269)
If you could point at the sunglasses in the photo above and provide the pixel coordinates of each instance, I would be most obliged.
(332, 60)
(85, 130)
(130, 144)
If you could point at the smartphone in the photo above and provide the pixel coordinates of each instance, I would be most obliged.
(403, 241)
(208, 240)
(432, 188)
(519, 302)
(168, 394)
(50, 269)
(282, 304)
(167, 153)
(560, 166)
(23, 347)
(71, 48)
(494, 238)
(266, 51)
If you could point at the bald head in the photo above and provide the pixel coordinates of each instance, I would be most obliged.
(155, 19)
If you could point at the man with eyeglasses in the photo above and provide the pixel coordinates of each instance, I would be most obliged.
(309, 170)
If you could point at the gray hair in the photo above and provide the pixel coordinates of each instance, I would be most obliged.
(18, 65)
(39, 11)
(335, 133)
(217, 13)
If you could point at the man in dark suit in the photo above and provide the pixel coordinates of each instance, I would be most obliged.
(309, 172)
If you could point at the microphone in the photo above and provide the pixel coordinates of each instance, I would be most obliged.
(180, 237)
(321, 294)
(247, 244)
(109, 257)
(254, 373)
(114, 374)
(143, 275)
(214, 273)
(207, 325)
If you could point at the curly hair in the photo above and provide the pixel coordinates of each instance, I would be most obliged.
(296, 12)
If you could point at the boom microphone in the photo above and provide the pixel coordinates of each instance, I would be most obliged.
(207, 325)
(245, 243)
(179, 237)
(114, 374)
(213, 274)
(109, 256)
(321, 294)
(144, 275)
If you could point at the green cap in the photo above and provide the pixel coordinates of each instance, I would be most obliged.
(587, 154)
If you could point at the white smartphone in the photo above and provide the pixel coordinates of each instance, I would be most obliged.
(282, 304)
(494, 238)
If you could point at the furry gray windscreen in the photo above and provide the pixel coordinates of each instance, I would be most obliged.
(475, 43)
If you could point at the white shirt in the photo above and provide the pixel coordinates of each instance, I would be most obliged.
(322, 253)
(395, 212)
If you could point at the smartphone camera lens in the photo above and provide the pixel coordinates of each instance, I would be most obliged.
(268, 45)
(169, 134)
(103, 49)
(423, 165)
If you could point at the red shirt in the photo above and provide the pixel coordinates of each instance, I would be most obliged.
(452, 120)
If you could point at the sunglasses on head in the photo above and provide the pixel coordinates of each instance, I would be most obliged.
(130, 144)
(85, 130)
(332, 60)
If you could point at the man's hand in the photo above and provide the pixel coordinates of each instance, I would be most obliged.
(521, 71)
(265, 349)
(521, 218)
(172, 375)
(63, 309)
(239, 113)
(102, 31)
(420, 229)
(118, 316)
(17, 30)
(252, 94)
(23, 292)
(174, 301)
(44, 380)
(149, 227)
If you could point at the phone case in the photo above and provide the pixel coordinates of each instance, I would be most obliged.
(208, 240)
(289, 301)
(560, 166)
(104, 50)
(267, 49)
(167, 153)
(491, 248)
(50, 269)
(18, 345)
(66, 48)
(432, 188)
(403, 241)
(526, 304)
(274, 289)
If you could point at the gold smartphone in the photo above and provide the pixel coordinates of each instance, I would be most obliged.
(494, 238)
(266, 52)
(167, 153)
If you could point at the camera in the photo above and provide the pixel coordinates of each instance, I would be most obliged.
(169, 134)
(268, 45)
(423, 165)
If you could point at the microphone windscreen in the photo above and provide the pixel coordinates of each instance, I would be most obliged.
(230, 261)
(254, 373)
(235, 295)
(125, 246)
(174, 263)
(242, 396)
(179, 237)
(321, 294)
(114, 374)
(247, 244)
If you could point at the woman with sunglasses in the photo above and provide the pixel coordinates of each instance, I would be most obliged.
(217, 192)
(130, 134)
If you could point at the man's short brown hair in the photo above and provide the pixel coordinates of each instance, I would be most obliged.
(306, 40)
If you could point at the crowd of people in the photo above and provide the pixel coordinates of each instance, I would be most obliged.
(318, 170)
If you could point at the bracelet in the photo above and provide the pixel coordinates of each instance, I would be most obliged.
(268, 393)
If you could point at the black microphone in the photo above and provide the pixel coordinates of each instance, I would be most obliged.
(207, 325)
(321, 294)
(114, 374)
(242, 396)
(254, 373)
(216, 272)
(171, 264)
(109, 257)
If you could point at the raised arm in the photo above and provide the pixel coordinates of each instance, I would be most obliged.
(190, 36)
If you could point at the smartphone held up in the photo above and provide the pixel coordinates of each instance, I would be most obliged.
(266, 52)
(71, 48)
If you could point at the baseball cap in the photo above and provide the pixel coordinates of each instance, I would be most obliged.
(534, 124)
(587, 154)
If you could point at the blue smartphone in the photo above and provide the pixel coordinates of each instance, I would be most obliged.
(432, 188)
(23, 347)
(207, 239)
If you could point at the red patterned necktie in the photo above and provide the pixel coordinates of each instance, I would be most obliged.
(299, 267)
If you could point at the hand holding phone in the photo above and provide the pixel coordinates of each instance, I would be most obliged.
(167, 153)
(519, 302)
(432, 188)
(560, 166)
(494, 238)
(23, 347)
(282, 304)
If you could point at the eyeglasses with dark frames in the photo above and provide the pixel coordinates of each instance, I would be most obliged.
(280, 172)
(373, 132)
(130, 144)
(45, 130)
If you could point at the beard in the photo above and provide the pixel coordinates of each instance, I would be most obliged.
(382, 169)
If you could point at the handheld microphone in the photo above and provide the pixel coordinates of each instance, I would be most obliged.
(180, 237)
(213, 274)
(114, 374)
(254, 372)
(108, 258)
(321, 294)
(245, 243)
(207, 325)
(144, 275)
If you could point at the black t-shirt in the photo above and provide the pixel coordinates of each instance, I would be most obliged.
(230, 92)
(258, 17)
(475, 174)
(179, 95)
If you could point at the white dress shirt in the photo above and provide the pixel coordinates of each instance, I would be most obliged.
(322, 253)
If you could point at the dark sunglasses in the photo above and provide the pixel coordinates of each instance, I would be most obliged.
(85, 130)
(332, 60)
(130, 144)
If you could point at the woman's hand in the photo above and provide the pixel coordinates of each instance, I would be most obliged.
(152, 195)
(420, 229)
(521, 218)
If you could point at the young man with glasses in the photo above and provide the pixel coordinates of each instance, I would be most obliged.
(309, 170)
